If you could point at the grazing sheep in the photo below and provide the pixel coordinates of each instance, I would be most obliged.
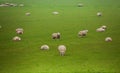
(108, 39)
(86, 30)
(62, 49)
(80, 5)
(44, 47)
(104, 27)
(12, 5)
(21, 5)
(28, 14)
(3, 5)
(55, 13)
(7, 3)
(82, 33)
(16, 38)
(99, 14)
(19, 30)
(56, 35)
(100, 30)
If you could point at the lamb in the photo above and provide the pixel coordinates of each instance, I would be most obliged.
(44, 47)
(19, 30)
(100, 29)
(108, 39)
(82, 33)
(16, 38)
(62, 49)
(56, 35)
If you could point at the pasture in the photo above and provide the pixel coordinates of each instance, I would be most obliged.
(90, 54)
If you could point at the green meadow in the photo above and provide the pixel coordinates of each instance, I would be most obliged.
(90, 54)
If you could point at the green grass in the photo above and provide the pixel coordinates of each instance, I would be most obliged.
(90, 54)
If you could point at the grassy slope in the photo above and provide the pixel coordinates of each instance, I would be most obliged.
(89, 54)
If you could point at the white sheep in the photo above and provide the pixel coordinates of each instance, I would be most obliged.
(80, 5)
(12, 4)
(28, 14)
(108, 39)
(82, 33)
(8, 4)
(56, 35)
(99, 14)
(104, 27)
(44, 47)
(55, 13)
(19, 30)
(100, 30)
(62, 49)
(3, 5)
(16, 38)
(21, 5)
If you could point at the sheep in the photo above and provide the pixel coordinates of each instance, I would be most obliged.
(44, 47)
(21, 5)
(99, 14)
(100, 29)
(108, 39)
(28, 14)
(104, 27)
(82, 33)
(19, 30)
(80, 5)
(56, 35)
(55, 13)
(3, 5)
(11, 4)
(8, 5)
(16, 38)
(62, 49)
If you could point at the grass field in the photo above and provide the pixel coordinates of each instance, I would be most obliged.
(90, 54)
